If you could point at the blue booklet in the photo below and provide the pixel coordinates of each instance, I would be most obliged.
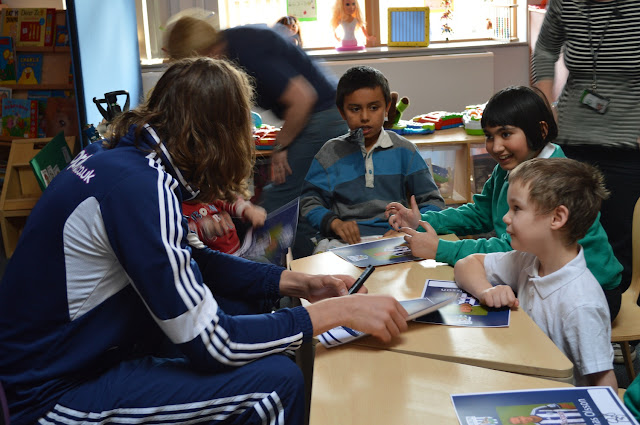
(466, 311)
(377, 253)
(578, 405)
(270, 243)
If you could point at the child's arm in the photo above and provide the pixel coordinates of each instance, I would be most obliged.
(470, 275)
(255, 214)
(605, 378)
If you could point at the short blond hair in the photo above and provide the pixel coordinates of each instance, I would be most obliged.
(562, 181)
(189, 37)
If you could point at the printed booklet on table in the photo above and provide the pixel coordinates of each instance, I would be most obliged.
(466, 311)
(577, 405)
(415, 307)
(377, 253)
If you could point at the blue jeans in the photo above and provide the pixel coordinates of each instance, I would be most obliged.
(322, 126)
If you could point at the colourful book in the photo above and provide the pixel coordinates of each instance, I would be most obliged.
(50, 27)
(466, 311)
(270, 243)
(10, 16)
(576, 405)
(51, 159)
(20, 118)
(29, 67)
(62, 35)
(35, 26)
(7, 60)
(42, 96)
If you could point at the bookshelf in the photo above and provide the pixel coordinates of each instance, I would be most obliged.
(20, 190)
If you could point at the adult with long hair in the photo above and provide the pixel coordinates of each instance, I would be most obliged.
(109, 315)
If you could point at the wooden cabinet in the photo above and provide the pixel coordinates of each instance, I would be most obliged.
(457, 160)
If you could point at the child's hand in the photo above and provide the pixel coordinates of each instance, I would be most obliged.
(423, 245)
(399, 216)
(256, 215)
(348, 231)
(499, 296)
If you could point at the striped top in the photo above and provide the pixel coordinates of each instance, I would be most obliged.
(566, 26)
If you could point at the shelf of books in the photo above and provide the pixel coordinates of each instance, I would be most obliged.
(37, 98)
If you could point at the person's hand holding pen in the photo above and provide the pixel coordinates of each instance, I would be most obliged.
(379, 315)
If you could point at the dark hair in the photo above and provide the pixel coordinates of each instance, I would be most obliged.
(562, 181)
(359, 77)
(525, 108)
(201, 110)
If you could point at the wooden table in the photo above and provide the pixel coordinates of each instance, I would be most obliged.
(522, 347)
(358, 385)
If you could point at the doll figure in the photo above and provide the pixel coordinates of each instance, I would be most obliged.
(347, 15)
(290, 28)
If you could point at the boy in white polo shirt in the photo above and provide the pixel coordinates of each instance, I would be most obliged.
(552, 203)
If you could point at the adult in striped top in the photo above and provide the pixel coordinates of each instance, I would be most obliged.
(600, 40)
(108, 314)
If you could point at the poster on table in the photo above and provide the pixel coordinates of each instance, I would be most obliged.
(576, 406)
(466, 311)
(379, 252)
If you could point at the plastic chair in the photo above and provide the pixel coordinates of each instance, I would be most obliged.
(4, 408)
(626, 326)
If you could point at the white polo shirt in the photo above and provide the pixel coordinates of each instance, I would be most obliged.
(568, 305)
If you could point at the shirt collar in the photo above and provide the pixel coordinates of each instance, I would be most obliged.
(546, 152)
(547, 285)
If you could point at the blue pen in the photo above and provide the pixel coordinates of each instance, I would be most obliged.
(364, 276)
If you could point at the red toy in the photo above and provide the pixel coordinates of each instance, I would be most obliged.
(441, 119)
(265, 136)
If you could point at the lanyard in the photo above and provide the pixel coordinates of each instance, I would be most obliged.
(594, 52)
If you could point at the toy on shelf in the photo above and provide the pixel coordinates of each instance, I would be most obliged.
(471, 119)
(265, 136)
(347, 16)
(411, 127)
(441, 119)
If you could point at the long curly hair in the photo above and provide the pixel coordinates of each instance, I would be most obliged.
(201, 110)
(339, 15)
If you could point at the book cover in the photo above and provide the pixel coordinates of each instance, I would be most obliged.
(10, 17)
(51, 159)
(20, 118)
(576, 405)
(466, 311)
(5, 93)
(377, 253)
(62, 35)
(50, 27)
(270, 243)
(29, 68)
(43, 96)
(32, 26)
(415, 307)
(7, 60)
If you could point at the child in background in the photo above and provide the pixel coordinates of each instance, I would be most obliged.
(213, 225)
(356, 175)
(552, 204)
(518, 125)
(347, 15)
(290, 28)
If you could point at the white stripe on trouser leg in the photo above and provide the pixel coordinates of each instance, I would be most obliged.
(275, 416)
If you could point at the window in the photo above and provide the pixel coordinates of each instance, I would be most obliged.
(468, 19)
